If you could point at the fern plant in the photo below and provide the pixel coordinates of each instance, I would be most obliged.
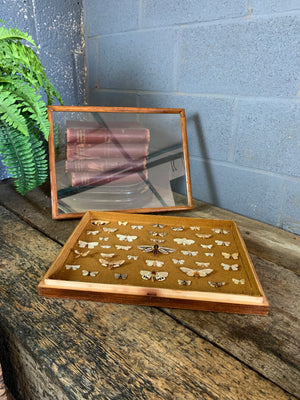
(24, 126)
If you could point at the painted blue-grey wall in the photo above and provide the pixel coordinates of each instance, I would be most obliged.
(56, 26)
(234, 66)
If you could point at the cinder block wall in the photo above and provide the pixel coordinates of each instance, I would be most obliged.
(234, 66)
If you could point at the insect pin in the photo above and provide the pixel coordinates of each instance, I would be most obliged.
(228, 267)
(234, 256)
(81, 254)
(126, 238)
(154, 276)
(120, 276)
(111, 264)
(184, 241)
(196, 273)
(73, 267)
(155, 249)
(216, 284)
(184, 283)
(238, 281)
(222, 243)
(89, 273)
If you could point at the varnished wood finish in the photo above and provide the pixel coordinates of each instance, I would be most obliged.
(72, 349)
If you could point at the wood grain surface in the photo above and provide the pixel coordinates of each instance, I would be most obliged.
(109, 351)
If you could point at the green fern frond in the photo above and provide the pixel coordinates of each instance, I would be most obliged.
(15, 34)
(10, 112)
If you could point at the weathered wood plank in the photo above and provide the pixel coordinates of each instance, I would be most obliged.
(109, 351)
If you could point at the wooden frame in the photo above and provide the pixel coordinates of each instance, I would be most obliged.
(58, 210)
(247, 298)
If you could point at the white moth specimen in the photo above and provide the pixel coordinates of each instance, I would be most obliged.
(90, 245)
(155, 249)
(154, 263)
(154, 276)
(184, 241)
(196, 273)
(105, 246)
(104, 239)
(73, 267)
(238, 281)
(99, 222)
(120, 276)
(177, 228)
(81, 254)
(89, 273)
(184, 283)
(111, 264)
(195, 228)
(180, 262)
(206, 246)
(209, 254)
(122, 223)
(120, 247)
(131, 257)
(216, 284)
(92, 232)
(139, 227)
(109, 230)
(202, 264)
(189, 253)
(161, 234)
(158, 225)
(126, 238)
(203, 235)
(107, 255)
(234, 256)
(217, 230)
(157, 240)
(222, 243)
(228, 267)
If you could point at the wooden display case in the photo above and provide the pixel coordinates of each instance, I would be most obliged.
(160, 261)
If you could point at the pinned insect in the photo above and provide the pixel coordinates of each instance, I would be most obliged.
(155, 249)
(79, 254)
(105, 239)
(157, 240)
(139, 227)
(161, 234)
(202, 264)
(224, 231)
(99, 222)
(109, 230)
(154, 276)
(209, 254)
(120, 247)
(203, 235)
(195, 228)
(189, 253)
(92, 232)
(122, 223)
(181, 262)
(184, 241)
(158, 225)
(107, 255)
(177, 228)
(120, 276)
(196, 273)
(238, 281)
(130, 257)
(111, 264)
(90, 245)
(89, 273)
(228, 267)
(105, 246)
(234, 256)
(126, 238)
(73, 267)
(206, 246)
(184, 283)
(154, 263)
(222, 243)
(216, 284)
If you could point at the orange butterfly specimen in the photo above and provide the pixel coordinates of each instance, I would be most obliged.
(196, 273)
(111, 264)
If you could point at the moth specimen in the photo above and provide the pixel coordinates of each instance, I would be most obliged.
(222, 243)
(120, 276)
(177, 228)
(161, 234)
(99, 222)
(92, 232)
(89, 273)
(206, 246)
(109, 230)
(203, 235)
(196, 273)
(216, 284)
(157, 240)
(126, 238)
(195, 228)
(131, 257)
(158, 225)
(81, 254)
(228, 267)
(175, 261)
(111, 264)
(217, 230)
(107, 255)
(122, 223)
(209, 254)
(155, 249)
(189, 253)
(234, 256)
(73, 267)
(202, 264)
(105, 239)
(154, 276)
(238, 281)
(139, 227)
(154, 263)
(90, 245)
(184, 283)
(120, 247)
(184, 241)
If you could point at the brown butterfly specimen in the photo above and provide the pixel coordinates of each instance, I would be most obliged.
(153, 275)
(196, 273)
(155, 249)
(111, 264)
(216, 284)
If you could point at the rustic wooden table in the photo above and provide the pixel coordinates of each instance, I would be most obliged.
(69, 349)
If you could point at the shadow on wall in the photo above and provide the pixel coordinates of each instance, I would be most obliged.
(212, 190)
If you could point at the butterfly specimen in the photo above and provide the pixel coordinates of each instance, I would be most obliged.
(109, 230)
(92, 232)
(154, 263)
(189, 253)
(119, 247)
(155, 249)
(195, 228)
(89, 273)
(162, 234)
(228, 267)
(206, 246)
(181, 262)
(99, 222)
(203, 235)
(153, 275)
(221, 243)
(126, 238)
(111, 264)
(107, 255)
(130, 257)
(120, 276)
(157, 240)
(237, 281)
(209, 254)
(196, 273)
(105, 239)
(234, 256)
(202, 264)
(158, 225)
(73, 267)
(139, 227)
(184, 241)
(216, 284)
(224, 231)
(90, 245)
(184, 283)
(122, 223)
(79, 254)
(177, 228)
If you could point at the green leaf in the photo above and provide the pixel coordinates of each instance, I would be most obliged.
(10, 112)
(13, 33)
